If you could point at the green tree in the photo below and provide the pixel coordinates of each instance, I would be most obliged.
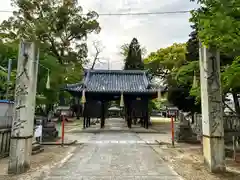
(211, 20)
(59, 75)
(192, 53)
(7, 51)
(166, 60)
(125, 48)
(58, 26)
(230, 79)
(134, 56)
(176, 69)
(60, 30)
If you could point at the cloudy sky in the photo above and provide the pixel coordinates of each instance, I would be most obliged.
(152, 31)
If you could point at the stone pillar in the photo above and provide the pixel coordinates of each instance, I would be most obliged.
(212, 115)
(24, 109)
(182, 119)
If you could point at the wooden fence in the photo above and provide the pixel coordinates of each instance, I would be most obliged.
(5, 135)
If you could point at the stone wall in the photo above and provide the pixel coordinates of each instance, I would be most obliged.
(196, 125)
(231, 124)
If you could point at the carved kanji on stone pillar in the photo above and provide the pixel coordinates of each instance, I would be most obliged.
(24, 109)
(212, 115)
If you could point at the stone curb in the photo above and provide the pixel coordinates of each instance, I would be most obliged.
(59, 143)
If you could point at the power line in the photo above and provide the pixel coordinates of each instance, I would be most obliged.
(144, 13)
(128, 14)
(6, 11)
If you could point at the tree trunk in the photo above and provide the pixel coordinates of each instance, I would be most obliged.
(236, 103)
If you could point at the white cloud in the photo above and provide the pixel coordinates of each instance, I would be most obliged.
(152, 31)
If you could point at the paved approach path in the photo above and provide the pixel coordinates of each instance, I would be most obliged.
(113, 161)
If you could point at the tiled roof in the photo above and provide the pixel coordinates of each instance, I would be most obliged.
(113, 81)
(74, 87)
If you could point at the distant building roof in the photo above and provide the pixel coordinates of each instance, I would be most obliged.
(114, 108)
(113, 81)
(74, 87)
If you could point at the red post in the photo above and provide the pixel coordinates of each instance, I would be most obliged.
(63, 119)
(172, 128)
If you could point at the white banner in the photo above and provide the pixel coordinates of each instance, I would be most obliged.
(38, 131)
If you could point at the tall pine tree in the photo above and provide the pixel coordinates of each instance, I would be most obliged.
(134, 57)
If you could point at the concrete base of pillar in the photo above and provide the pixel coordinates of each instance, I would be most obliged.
(215, 161)
(20, 154)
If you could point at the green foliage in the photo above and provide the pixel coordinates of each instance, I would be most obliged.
(158, 105)
(60, 28)
(3, 77)
(231, 76)
(175, 66)
(166, 60)
(196, 92)
(134, 57)
(125, 48)
(8, 51)
(193, 46)
(186, 73)
(218, 24)
(59, 74)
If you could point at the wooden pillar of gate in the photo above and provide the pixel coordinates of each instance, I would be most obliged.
(84, 122)
(88, 122)
(147, 115)
(129, 116)
(84, 113)
(146, 119)
(102, 114)
(78, 108)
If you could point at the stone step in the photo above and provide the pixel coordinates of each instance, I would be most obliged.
(41, 149)
(119, 142)
(36, 146)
